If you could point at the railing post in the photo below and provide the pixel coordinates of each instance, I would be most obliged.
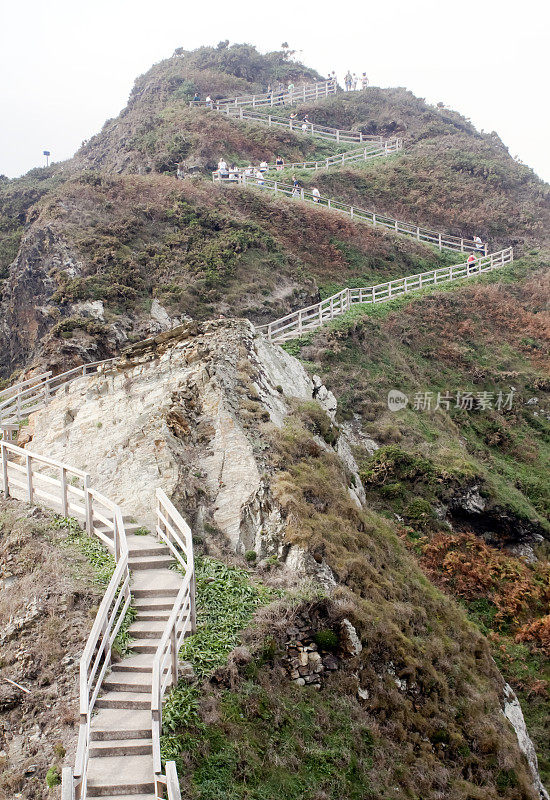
(337, 135)
(439, 241)
(299, 322)
(47, 392)
(351, 211)
(302, 193)
(174, 656)
(462, 245)
(275, 187)
(240, 112)
(348, 298)
(30, 492)
(64, 497)
(116, 537)
(5, 470)
(269, 120)
(329, 202)
(88, 506)
(418, 233)
(374, 219)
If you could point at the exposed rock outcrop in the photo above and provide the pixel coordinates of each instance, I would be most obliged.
(182, 411)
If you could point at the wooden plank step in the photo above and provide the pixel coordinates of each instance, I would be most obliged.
(119, 775)
(128, 700)
(121, 747)
(108, 724)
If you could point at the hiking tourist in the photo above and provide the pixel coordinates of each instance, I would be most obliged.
(471, 261)
(478, 243)
(196, 98)
(279, 163)
(316, 194)
(347, 81)
(260, 180)
(222, 168)
(292, 118)
(249, 171)
(364, 81)
(354, 82)
(264, 167)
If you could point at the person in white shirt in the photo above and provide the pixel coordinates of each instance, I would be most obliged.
(260, 178)
(222, 169)
(316, 194)
(364, 81)
(354, 82)
(264, 167)
(479, 243)
(249, 171)
(208, 101)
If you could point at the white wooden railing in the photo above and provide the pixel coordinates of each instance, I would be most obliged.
(375, 150)
(37, 479)
(313, 129)
(307, 319)
(174, 532)
(300, 93)
(443, 241)
(22, 399)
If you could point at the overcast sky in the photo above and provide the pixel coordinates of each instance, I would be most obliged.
(67, 66)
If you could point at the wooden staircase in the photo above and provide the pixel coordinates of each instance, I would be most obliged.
(121, 748)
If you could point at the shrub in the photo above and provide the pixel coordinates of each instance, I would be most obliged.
(326, 640)
(53, 777)
(250, 555)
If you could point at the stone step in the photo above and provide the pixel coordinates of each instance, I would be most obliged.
(128, 700)
(145, 646)
(153, 604)
(121, 747)
(134, 663)
(147, 629)
(149, 562)
(128, 681)
(159, 550)
(147, 615)
(119, 775)
(139, 796)
(164, 592)
(110, 724)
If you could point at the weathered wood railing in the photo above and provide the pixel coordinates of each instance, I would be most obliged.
(22, 399)
(37, 479)
(312, 317)
(174, 532)
(375, 150)
(313, 128)
(443, 241)
(299, 94)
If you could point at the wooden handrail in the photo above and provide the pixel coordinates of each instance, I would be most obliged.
(442, 241)
(380, 149)
(313, 316)
(31, 395)
(300, 93)
(171, 529)
(23, 476)
(338, 135)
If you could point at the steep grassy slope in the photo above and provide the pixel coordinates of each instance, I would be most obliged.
(443, 475)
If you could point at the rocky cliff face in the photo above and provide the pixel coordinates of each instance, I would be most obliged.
(181, 411)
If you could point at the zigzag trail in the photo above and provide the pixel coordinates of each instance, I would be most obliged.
(311, 317)
(118, 753)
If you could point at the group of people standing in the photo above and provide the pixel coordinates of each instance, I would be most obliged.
(352, 82)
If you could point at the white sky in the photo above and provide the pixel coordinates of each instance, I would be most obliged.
(68, 65)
